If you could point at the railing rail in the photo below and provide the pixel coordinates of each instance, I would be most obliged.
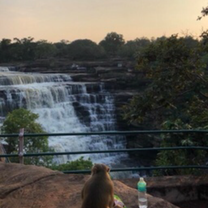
(113, 150)
(106, 151)
(109, 133)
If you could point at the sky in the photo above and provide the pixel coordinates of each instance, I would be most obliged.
(56, 20)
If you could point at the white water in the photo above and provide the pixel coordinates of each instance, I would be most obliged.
(4, 69)
(52, 97)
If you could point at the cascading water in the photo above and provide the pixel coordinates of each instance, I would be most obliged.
(64, 106)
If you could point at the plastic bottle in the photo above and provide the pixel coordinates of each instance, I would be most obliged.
(142, 196)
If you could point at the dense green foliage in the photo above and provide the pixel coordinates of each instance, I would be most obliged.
(204, 12)
(112, 43)
(177, 79)
(22, 118)
(131, 47)
(181, 157)
(85, 50)
(79, 164)
(26, 49)
(176, 96)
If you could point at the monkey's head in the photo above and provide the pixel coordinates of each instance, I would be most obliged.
(100, 168)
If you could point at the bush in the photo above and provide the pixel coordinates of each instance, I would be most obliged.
(23, 118)
(79, 164)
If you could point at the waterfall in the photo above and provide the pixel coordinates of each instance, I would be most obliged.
(65, 106)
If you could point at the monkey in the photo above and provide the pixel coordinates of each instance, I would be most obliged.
(98, 191)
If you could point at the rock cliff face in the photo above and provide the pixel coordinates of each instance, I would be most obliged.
(27, 186)
(120, 81)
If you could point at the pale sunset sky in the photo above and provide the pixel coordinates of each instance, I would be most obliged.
(54, 20)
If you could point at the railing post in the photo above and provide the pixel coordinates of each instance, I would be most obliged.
(2, 159)
(21, 145)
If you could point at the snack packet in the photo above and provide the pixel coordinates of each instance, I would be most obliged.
(118, 202)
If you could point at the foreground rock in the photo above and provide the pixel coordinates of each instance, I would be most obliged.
(27, 186)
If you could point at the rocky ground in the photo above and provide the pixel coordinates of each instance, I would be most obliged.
(26, 186)
(166, 183)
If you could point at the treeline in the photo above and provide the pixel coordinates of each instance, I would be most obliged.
(113, 45)
(27, 49)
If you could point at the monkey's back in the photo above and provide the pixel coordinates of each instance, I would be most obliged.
(98, 192)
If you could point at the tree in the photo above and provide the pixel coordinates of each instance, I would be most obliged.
(112, 43)
(176, 75)
(85, 50)
(44, 49)
(204, 12)
(28, 48)
(5, 54)
(132, 47)
(61, 48)
(22, 118)
(176, 94)
(23, 49)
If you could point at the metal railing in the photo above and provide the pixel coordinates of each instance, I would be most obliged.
(21, 155)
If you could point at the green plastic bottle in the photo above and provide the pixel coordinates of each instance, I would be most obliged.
(142, 195)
